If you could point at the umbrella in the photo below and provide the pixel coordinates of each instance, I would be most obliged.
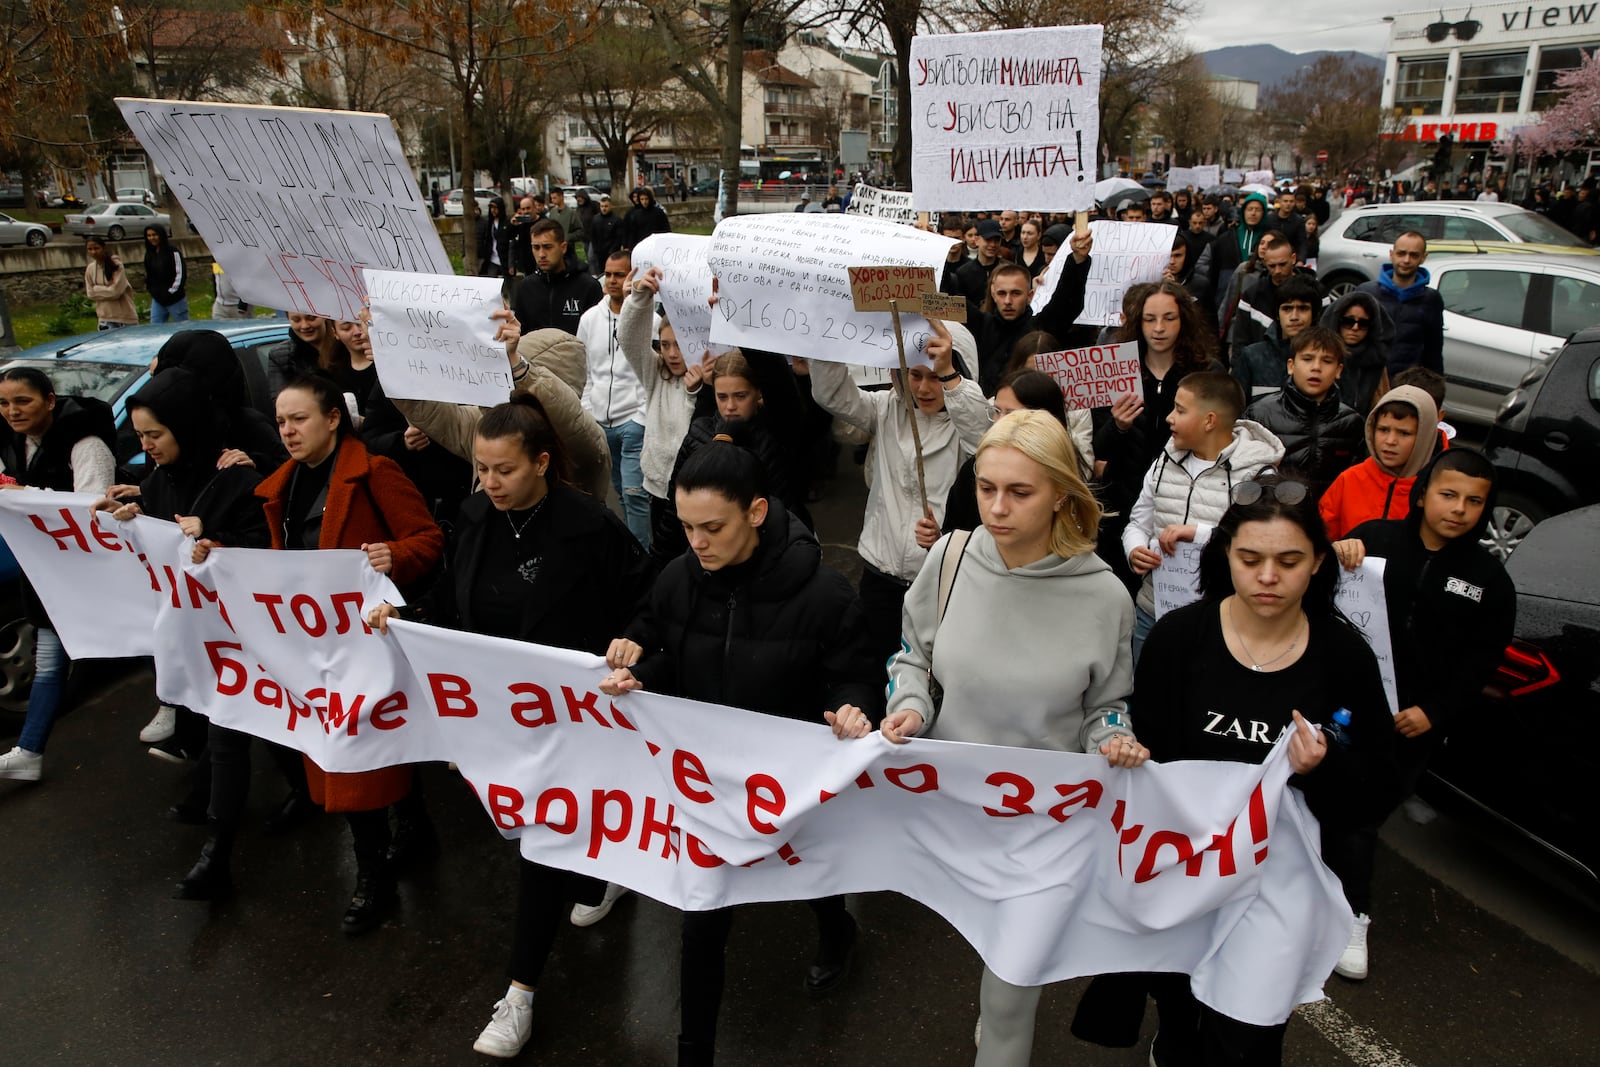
(1131, 196)
(1264, 190)
(1222, 190)
(784, 176)
(1106, 189)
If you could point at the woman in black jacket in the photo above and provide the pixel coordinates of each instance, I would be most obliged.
(535, 560)
(164, 277)
(248, 435)
(494, 242)
(65, 444)
(751, 618)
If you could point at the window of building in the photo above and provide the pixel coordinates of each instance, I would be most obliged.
(1419, 85)
(1553, 62)
(774, 129)
(1490, 84)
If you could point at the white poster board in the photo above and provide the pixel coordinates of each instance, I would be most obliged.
(1007, 117)
(1206, 176)
(433, 339)
(1258, 177)
(682, 259)
(1177, 581)
(783, 285)
(1125, 254)
(1360, 596)
(874, 203)
(1233, 176)
(1181, 178)
(1095, 377)
(293, 202)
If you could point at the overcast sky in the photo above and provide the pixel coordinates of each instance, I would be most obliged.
(1296, 26)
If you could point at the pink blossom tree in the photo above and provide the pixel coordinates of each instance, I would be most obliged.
(1574, 122)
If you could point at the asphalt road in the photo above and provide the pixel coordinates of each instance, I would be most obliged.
(1479, 955)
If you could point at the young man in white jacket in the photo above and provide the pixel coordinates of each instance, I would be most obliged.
(613, 395)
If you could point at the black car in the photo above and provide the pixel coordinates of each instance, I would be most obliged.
(1545, 442)
(1547, 687)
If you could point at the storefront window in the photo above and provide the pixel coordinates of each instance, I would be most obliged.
(1419, 86)
(1490, 84)
(1553, 62)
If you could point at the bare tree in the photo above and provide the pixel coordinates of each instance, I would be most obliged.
(1334, 106)
(618, 83)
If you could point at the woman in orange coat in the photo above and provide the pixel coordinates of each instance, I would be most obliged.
(334, 494)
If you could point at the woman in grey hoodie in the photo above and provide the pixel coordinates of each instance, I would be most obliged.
(1033, 611)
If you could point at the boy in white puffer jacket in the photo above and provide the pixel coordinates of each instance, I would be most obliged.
(1191, 483)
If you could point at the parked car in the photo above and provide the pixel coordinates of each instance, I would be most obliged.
(1546, 682)
(452, 201)
(704, 187)
(136, 195)
(572, 191)
(1354, 247)
(602, 184)
(1504, 314)
(11, 196)
(115, 221)
(1545, 443)
(111, 366)
(16, 232)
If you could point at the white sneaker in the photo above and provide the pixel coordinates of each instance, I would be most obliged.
(585, 915)
(1353, 964)
(21, 765)
(163, 726)
(509, 1030)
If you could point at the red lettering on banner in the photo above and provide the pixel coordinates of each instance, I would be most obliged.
(172, 586)
(261, 691)
(763, 794)
(599, 828)
(1222, 845)
(386, 712)
(621, 719)
(347, 621)
(650, 826)
(787, 854)
(1086, 793)
(271, 602)
(70, 532)
(505, 805)
(107, 538)
(699, 855)
(451, 696)
(550, 797)
(1159, 840)
(687, 773)
(1127, 836)
(198, 592)
(576, 706)
(221, 665)
(337, 715)
(1258, 822)
(1014, 803)
(316, 626)
(540, 703)
(927, 777)
(155, 583)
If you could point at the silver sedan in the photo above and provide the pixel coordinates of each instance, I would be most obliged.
(115, 221)
(16, 232)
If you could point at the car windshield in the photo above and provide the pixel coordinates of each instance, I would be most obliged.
(1537, 229)
(106, 381)
(98, 209)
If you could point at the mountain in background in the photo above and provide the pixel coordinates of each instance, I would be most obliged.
(1270, 65)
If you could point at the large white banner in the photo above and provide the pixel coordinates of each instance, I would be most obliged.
(685, 266)
(1125, 254)
(433, 338)
(783, 285)
(1006, 118)
(1051, 864)
(293, 202)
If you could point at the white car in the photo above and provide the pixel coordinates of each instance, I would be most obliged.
(115, 221)
(1503, 315)
(137, 195)
(16, 232)
(452, 201)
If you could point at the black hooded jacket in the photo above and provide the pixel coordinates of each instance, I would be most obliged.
(222, 387)
(224, 500)
(1366, 365)
(1321, 438)
(780, 633)
(997, 336)
(756, 434)
(1451, 612)
(164, 275)
(645, 218)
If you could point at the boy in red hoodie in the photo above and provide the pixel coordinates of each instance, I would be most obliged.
(1402, 436)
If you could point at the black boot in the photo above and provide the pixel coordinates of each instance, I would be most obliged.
(415, 839)
(374, 896)
(295, 809)
(211, 877)
(835, 951)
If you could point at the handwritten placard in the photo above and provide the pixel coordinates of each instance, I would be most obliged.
(1125, 254)
(1177, 581)
(875, 203)
(685, 286)
(946, 307)
(1258, 177)
(1233, 176)
(1206, 176)
(1180, 178)
(1094, 377)
(784, 285)
(1007, 117)
(1360, 596)
(293, 202)
(879, 288)
(433, 339)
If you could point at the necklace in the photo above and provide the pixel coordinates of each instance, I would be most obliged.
(1257, 664)
(516, 531)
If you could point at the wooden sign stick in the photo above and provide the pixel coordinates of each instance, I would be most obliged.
(911, 403)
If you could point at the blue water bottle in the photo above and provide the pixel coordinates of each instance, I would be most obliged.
(1338, 731)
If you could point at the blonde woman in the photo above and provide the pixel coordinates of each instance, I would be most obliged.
(1033, 613)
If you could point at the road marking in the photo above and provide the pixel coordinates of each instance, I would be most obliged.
(1363, 1045)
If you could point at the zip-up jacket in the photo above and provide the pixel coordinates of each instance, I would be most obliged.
(1321, 438)
(164, 274)
(1367, 491)
(1418, 315)
(611, 391)
(555, 301)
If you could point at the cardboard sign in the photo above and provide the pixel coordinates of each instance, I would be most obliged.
(1007, 117)
(1125, 254)
(293, 202)
(685, 286)
(784, 285)
(946, 307)
(876, 288)
(433, 339)
(1094, 377)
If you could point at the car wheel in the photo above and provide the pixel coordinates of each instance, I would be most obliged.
(1342, 285)
(1513, 518)
(16, 664)
(116, 233)
(35, 239)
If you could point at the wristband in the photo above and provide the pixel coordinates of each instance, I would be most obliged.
(522, 369)
(952, 376)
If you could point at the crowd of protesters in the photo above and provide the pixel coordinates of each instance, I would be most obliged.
(1291, 433)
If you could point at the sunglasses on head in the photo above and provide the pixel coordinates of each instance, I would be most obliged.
(1290, 493)
(1351, 322)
